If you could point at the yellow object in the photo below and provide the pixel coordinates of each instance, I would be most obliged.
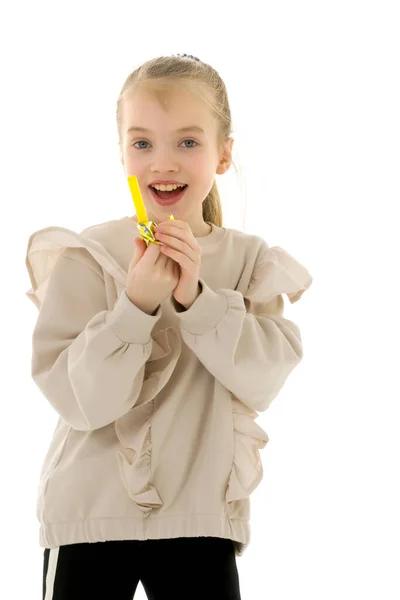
(146, 228)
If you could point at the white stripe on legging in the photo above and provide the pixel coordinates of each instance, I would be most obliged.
(51, 573)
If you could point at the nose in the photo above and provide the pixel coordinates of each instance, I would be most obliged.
(164, 161)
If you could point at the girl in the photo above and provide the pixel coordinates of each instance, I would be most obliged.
(157, 360)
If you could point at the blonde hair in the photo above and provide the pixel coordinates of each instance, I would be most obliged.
(158, 75)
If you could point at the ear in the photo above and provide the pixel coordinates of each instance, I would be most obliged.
(225, 160)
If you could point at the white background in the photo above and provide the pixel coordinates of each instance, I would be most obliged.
(314, 93)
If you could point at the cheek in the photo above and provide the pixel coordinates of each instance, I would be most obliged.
(135, 161)
(199, 164)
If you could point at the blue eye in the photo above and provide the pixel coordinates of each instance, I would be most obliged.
(140, 142)
(143, 141)
(190, 141)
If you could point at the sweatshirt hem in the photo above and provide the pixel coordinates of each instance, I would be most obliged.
(53, 535)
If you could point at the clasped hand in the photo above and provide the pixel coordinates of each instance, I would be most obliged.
(181, 246)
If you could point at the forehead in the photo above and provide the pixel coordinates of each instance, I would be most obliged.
(168, 109)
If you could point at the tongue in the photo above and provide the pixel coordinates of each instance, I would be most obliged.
(166, 195)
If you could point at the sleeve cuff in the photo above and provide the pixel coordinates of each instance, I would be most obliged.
(129, 323)
(206, 311)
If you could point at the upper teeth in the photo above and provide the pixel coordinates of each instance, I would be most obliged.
(169, 187)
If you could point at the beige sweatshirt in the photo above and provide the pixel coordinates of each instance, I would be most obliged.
(156, 436)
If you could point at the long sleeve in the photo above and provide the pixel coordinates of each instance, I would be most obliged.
(88, 361)
(244, 340)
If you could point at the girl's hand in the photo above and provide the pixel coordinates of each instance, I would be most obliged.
(151, 277)
(181, 246)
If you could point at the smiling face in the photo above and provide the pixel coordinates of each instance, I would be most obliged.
(162, 152)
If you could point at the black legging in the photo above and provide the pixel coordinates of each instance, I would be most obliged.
(178, 568)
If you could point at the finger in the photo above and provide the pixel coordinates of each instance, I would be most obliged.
(151, 254)
(180, 229)
(179, 240)
(174, 223)
(186, 262)
(162, 260)
(182, 248)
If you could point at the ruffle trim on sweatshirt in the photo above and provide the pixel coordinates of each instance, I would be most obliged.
(277, 273)
(134, 428)
(46, 246)
(247, 470)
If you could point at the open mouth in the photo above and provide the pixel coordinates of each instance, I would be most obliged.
(166, 198)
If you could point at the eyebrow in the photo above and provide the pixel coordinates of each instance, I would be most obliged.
(181, 130)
